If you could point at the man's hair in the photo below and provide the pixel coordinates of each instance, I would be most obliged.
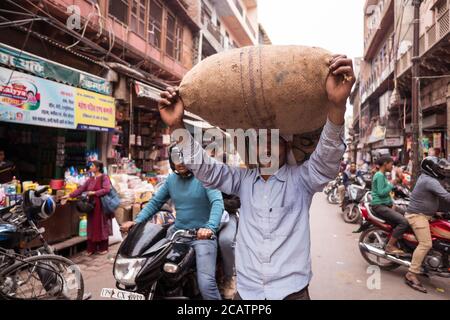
(384, 160)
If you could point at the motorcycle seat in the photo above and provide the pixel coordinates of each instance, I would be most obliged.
(373, 216)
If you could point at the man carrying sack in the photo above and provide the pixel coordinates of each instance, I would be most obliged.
(273, 258)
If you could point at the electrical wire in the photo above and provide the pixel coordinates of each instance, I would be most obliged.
(20, 53)
(56, 23)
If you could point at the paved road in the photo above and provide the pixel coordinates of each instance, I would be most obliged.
(339, 270)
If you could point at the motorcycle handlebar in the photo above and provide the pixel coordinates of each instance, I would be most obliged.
(191, 234)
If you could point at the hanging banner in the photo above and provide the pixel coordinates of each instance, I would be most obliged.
(31, 100)
(44, 68)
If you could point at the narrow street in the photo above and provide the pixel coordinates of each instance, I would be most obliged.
(340, 272)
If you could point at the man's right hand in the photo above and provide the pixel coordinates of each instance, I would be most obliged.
(171, 109)
(127, 226)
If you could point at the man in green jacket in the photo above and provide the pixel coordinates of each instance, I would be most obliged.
(382, 205)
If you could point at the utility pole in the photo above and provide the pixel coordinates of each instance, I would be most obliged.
(416, 149)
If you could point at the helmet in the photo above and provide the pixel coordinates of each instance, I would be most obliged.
(176, 157)
(40, 207)
(435, 167)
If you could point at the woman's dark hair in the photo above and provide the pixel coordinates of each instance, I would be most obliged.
(384, 160)
(99, 165)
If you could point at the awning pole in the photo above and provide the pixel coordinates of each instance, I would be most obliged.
(131, 121)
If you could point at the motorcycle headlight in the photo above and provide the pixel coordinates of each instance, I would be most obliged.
(126, 270)
(170, 267)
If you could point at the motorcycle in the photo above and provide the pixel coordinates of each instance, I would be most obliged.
(331, 190)
(149, 266)
(354, 195)
(375, 233)
(18, 227)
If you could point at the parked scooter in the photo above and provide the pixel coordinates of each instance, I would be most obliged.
(353, 196)
(331, 190)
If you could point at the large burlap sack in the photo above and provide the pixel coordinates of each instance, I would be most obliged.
(273, 87)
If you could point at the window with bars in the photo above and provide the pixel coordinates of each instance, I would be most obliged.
(119, 10)
(206, 14)
(178, 42)
(170, 35)
(155, 23)
(138, 8)
(174, 37)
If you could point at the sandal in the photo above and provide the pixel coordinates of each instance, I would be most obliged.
(416, 286)
(395, 252)
(103, 253)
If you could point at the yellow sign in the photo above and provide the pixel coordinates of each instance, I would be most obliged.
(94, 111)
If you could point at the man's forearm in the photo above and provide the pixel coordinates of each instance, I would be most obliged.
(336, 114)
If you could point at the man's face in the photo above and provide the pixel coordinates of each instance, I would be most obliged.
(353, 168)
(389, 166)
(2, 156)
(274, 150)
(182, 169)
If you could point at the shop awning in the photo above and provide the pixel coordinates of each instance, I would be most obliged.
(147, 91)
(43, 68)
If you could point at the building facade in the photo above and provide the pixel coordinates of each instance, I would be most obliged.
(138, 46)
(382, 97)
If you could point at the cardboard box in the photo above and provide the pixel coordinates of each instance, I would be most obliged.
(136, 210)
(123, 215)
(142, 197)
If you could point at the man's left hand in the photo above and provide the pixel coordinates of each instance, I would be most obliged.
(204, 234)
(340, 81)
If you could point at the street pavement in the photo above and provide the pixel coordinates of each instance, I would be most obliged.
(339, 270)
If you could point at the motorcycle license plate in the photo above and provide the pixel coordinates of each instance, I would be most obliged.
(120, 294)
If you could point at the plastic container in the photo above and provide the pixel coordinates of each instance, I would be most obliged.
(82, 231)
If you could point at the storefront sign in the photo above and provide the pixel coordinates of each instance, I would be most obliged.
(31, 100)
(393, 142)
(146, 91)
(44, 68)
(94, 111)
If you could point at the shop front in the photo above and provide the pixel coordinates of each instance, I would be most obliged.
(434, 134)
(50, 130)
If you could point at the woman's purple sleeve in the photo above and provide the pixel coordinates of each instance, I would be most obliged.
(80, 190)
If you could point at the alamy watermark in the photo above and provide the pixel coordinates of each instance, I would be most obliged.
(264, 148)
(374, 280)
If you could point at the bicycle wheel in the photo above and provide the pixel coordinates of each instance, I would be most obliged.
(45, 277)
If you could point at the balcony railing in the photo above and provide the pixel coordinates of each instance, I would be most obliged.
(215, 31)
(375, 31)
(433, 35)
(379, 79)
